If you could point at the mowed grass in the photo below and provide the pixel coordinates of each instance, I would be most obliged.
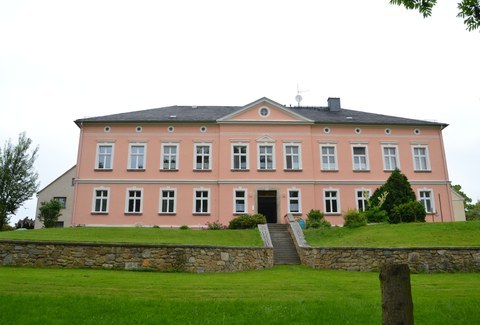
(282, 295)
(399, 235)
(249, 237)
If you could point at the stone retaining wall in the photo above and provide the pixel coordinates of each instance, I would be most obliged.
(419, 259)
(186, 258)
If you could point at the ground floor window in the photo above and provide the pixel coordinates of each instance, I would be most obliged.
(362, 196)
(134, 201)
(294, 201)
(100, 200)
(331, 201)
(167, 201)
(426, 197)
(201, 201)
(240, 201)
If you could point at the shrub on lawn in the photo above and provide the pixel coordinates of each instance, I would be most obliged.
(247, 221)
(316, 220)
(215, 226)
(408, 212)
(354, 219)
(184, 227)
(375, 215)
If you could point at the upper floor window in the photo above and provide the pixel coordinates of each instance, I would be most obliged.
(328, 157)
(240, 201)
(390, 158)
(331, 201)
(362, 196)
(240, 156)
(202, 157)
(104, 156)
(169, 157)
(201, 201)
(266, 157)
(294, 205)
(426, 197)
(292, 156)
(134, 201)
(137, 156)
(360, 158)
(420, 158)
(167, 201)
(62, 200)
(100, 200)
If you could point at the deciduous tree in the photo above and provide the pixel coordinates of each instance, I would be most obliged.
(18, 179)
(49, 213)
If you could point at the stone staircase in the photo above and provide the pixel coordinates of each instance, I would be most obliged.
(284, 251)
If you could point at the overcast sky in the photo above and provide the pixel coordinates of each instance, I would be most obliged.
(64, 60)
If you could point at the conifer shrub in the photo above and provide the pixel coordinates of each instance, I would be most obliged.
(247, 221)
(316, 220)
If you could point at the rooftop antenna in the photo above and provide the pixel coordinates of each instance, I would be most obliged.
(299, 98)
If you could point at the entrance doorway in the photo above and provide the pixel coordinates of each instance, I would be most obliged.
(267, 205)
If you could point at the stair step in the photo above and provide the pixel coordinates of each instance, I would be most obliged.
(284, 251)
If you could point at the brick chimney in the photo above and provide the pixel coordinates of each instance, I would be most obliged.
(334, 104)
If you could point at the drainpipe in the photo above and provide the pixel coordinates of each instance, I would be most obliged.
(75, 184)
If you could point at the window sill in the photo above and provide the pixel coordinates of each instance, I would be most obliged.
(329, 170)
(361, 170)
(201, 214)
(135, 169)
(202, 170)
(297, 214)
(133, 213)
(333, 214)
(98, 213)
(169, 170)
(423, 171)
(239, 170)
(293, 170)
(240, 213)
(266, 170)
(167, 213)
(103, 169)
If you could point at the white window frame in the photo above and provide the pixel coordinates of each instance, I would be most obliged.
(194, 208)
(95, 198)
(362, 198)
(367, 163)
(331, 199)
(298, 198)
(272, 154)
(245, 199)
(424, 199)
(286, 155)
(209, 155)
(162, 156)
(97, 158)
(426, 157)
(168, 200)
(246, 155)
(128, 198)
(388, 158)
(328, 166)
(136, 166)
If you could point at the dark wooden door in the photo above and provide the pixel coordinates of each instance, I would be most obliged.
(267, 205)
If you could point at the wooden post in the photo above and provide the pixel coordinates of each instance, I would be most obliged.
(397, 306)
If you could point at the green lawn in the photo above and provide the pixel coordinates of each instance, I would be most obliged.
(141, 235)
(282, 295)
(399, 235)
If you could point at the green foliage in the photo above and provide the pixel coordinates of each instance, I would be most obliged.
(215, 226)
(25, 223)
(469, 10)
(413, 211)
(375, 215)
(184, 227)
(49, 213)
(473, 214)
(354, 219)
(247, 221)
(18, 179)
(316, 220)
(6, 227)
(399, 191)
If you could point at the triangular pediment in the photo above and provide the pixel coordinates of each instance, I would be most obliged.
(265, 138)
(264, 110)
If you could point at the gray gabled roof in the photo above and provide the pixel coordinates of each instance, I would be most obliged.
(213, 113)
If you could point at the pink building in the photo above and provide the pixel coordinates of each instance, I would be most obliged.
(189, 165)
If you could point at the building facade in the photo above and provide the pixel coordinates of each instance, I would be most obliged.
(60, 189)
(189, 165)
